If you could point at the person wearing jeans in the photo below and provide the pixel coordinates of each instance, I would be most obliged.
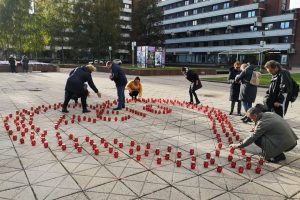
(119, 77)
(195, 83)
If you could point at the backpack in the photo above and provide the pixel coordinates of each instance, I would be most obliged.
(295, 91)
(255, 78)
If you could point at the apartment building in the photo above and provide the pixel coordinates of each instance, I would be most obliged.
(221, 31)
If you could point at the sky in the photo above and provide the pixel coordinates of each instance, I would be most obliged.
(295, 4)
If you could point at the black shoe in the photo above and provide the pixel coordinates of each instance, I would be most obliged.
(123, 106)
(277, 159)
(64, 110)
(197, 102)
(247, 120)
(244, 117)
(117, 108)
(230, 113)
(85, 111)
(191, 102)
(239, 114)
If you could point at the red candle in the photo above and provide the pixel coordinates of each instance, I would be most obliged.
(60, 142)
(116, 154)
(63, 147)
(138, 157)
(148, 146)
(192, 151)
(94, 121)
(79, 149)
(220, 145)
(76, 145)
(205, 164)
(233, 164)
(212, 161)
(15, 138)
(208, 155)
(248, 166)
(87, 138)
(138, 147)
(258, 170)
(22, 140)
(75, 139)
(146, 153)
(219, 169)
(167, 156)
(158, 161)
(241, 169)
(132, 143)
(261, 161)
(230, 157)
(169, 148)
(116, 141)
(102, 140)
(91, 142)
(71, 136)
(248, 159)
(45, 144)
(193, 158)
(105, 145)
(243, 151)
(96, 152)
(217, 153)
(121, 145)
(193, 165)
(157, 151)
(179, 154)
(232, 150)
(110, 149)
(94, 146)
(130, 151)
(178, 163)
(33, 142)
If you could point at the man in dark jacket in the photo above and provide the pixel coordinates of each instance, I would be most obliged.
(279, 93)
(75, 86)
(271, 133)
(12, 62)
(25, 62)
(119, 77)
(195, 83)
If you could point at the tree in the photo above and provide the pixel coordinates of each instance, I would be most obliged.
(147, 23)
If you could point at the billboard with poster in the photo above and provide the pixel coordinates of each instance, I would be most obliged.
(148, 56)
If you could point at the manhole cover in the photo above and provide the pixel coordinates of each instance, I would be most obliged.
(35, 90)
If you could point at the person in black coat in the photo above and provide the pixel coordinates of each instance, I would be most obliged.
(12, 62)
(195, 83)
(25, 62)
(234, 87)
(119, 77)
(247, 91)
(75, 86)
(279, 93)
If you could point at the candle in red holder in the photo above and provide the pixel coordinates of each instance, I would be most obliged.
(148, 146)
(193, 165)
(96, 152)
(110, 149)
(167, 156)
(45, 144)
(227, 134)
(169, 148)
(76, 145)
(138, 147)
(116, 141)
(18, 128)
(23, 134)
(146, 153)
(75, 139)
(192, 151)
(32, 126)
(232, 150)
(138, 157)
(158, 160)
(66, 122)
(219, 169)
(63, 147)
(132, 143)
(248, 159)
(105, 145)
(60, 142)
(22, 140)
(257, 170)
(116, 154)
(71, 136)
(102, 140)
(212, 161)
(193, 158)
(178, 163)
(261, 161)
(94, 121)
(94, 146)
(84, 118)
(208, 155)
(43, 139)
(220, 145)
(230, 157)
(179, 154)
(233, 164)
(205, 164)
(229, 139)
(217, 153)
(130, 151)
(241, 169)
(248, 165)
(116, 119)
(79, 149)
(87, 138)
(33, 142)
(15, 138)
(157, 151)
(72, 121)
(237, 137)
(121, 145)
(91, 142)
(89, 119)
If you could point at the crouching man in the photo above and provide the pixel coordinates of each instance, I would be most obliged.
(271, 133)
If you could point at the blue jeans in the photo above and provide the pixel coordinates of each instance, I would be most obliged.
(247, 105)
(121, 96)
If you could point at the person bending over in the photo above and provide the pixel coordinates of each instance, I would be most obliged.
(135, 88)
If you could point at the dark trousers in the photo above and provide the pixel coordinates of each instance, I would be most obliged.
(121, 96)
(70, 95)
(258, 143)
(192, 92)
(279, 110)
(134, 94)
(13, 69)
(238, 108)
(247, 105)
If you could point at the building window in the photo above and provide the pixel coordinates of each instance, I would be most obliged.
(186, 3)
(186, 13)
(126, 6)
(195, 23)
(251, 14)
(215, 7)
(226, 5)
(285, 25)
(238, 15)
(225, 18)
(253, 28)
(195, 1)
(195, 12)
(284, 39)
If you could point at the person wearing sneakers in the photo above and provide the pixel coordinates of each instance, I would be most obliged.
(75, 86)
(196, 84)
(271, 133)
(119, 77)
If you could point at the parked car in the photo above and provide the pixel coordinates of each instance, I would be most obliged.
(117, 61)
(98, 62)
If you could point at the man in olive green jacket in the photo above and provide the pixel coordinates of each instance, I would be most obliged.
(271, 133)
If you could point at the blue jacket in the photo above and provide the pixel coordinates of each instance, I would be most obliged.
(118, 75)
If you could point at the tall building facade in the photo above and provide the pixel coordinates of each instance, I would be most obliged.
(222, 31)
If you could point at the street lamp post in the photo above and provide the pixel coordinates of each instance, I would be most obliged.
(110, 49)
(133, 44)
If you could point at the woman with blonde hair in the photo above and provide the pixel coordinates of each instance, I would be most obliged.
(75, 86)
(234, 87)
